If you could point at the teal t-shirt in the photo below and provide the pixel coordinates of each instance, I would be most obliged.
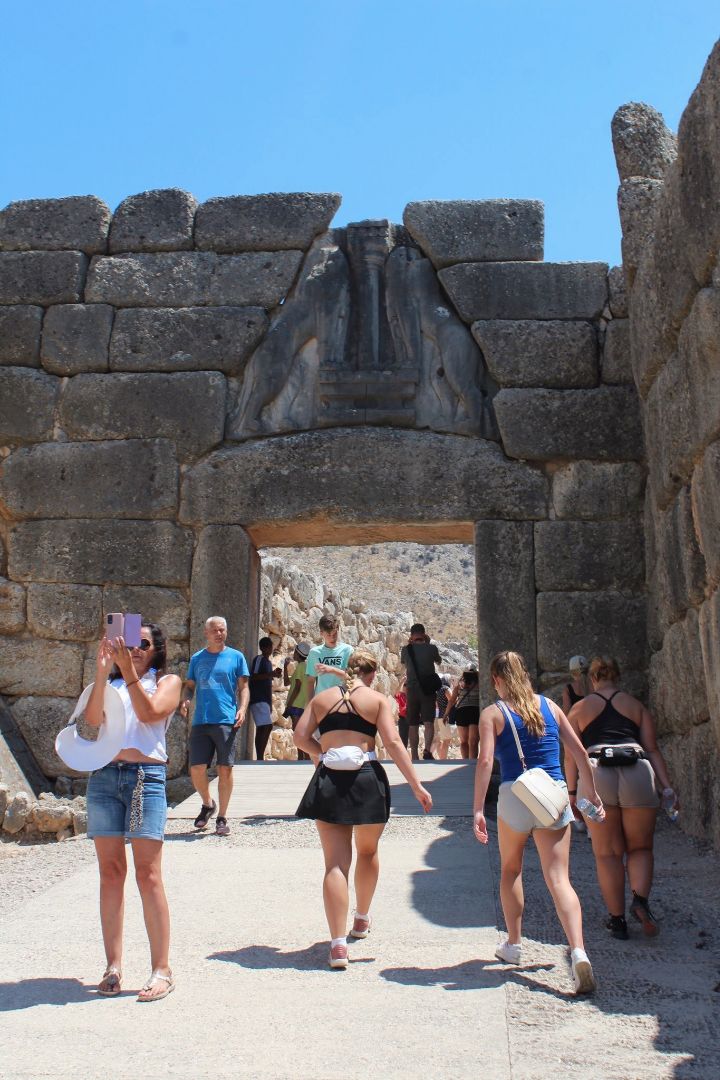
(323, 654)
(215, 676)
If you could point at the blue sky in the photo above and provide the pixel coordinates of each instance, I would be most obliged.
(384, 102)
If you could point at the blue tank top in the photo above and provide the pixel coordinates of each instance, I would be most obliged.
(543, 752)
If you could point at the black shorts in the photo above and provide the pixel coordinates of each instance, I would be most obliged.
(208, 739)
(347, 797)
(420, 707)
(467, 716)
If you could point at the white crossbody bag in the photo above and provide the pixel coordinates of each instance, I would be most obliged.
(545, 798)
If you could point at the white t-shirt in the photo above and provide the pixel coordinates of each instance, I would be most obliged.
(149, 739)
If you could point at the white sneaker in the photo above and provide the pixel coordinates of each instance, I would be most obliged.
(509, 954)
(582, 972)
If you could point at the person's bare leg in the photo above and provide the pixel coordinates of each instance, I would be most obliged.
(199, 777)
(429, 735)
(225, 787)
(414, 741)
(608, 841)
(473, 741)
(367, 866)
(464, 745)
(638, 826)
(336, 843)
(148, 874)
(112, 864)
(553, 846)
(512, 898)
(262, 737)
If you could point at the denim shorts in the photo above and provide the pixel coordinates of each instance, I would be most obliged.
(516, 814)
(109, 801)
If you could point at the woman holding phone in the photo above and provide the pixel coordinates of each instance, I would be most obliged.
(126, 800)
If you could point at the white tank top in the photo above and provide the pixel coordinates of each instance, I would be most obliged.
(149, 739)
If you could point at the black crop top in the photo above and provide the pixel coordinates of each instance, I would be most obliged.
(610, 727)
(344, 719)
(573, 695)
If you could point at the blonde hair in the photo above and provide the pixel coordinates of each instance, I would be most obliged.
(360, 663)
(604, 669)
(512, 669)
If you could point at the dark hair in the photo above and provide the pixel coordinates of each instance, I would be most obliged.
(159, 659)
(604, 669)
(417, 628)
(265, 641)
(328, 623)
(470, 677)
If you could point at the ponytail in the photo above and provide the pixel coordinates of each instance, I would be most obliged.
(360, 663)
(511, 668)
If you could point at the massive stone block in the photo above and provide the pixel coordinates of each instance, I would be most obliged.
(20, 335)
(12, 607)
(709, 632)
(232, 484)
(705, 496)
(46, 668)
(549, 353)
(643, 144)
(650, 348)
(166, 607)
(677, 574)
(187, 407)
(525, 290)
(617, 292)
(27, 404)
(66, 612)
(693, 762)
(488, 230)
(159, 220)
(592, 555)
(189, 279)
(540, 425)
(607, 623)
(206, 339)
(598, 490)
(39, 720)
(77, 223)
(272, 222)
(123, 479)
(97, 552)
(678, 696)
(41, 277)
(637, 204)
(505, 584)
(76, 338)
(616, 360)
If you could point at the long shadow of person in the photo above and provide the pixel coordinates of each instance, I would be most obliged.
(263, 957)
(26, 993)
(452, 889)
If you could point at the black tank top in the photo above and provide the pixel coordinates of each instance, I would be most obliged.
(573, 695)
(344, 719)
(610, 727)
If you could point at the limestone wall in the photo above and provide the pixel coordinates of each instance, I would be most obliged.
(670, 210)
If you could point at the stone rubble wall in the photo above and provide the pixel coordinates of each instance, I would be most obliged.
(669, 202)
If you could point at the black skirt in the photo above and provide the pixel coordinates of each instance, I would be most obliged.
(347, 796)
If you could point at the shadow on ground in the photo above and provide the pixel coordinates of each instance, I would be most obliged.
(26, 993)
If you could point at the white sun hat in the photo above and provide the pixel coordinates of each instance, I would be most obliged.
(86, 755)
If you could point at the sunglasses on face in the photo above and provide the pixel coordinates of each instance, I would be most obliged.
(145, 645)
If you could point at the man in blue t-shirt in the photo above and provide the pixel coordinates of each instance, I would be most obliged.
(325, 660)
(219, 674)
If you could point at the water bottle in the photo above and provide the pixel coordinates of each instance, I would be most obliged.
(668, 803)
(589, 809)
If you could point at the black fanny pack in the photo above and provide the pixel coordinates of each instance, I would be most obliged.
(617, 757)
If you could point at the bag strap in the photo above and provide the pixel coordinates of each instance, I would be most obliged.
(509, 720)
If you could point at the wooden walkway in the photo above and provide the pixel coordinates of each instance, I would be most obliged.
(274, 789)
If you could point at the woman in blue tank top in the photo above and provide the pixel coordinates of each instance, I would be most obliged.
(540, 726)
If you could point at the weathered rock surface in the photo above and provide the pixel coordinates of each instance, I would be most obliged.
(705, 493)
(637, 204)
(592, 555)
(27, 404)
(616, 359)
(16, 814)
(526, 290)
(190, 279)
(678, 698)
(41, 277)
(272, 222)
(76, 338)
(20, 335)
(166, 607)
(709, 630)
(39, 720)
(76, 223)
(66, 612)
(40, 667)
(529, 352)
(540, 425)
(12, 607)
(488, 230)
(98, 552)
(48, 817)
(598, 490)
(617, 292)
(159, 220)
(643, 144)
(206, 339)
(187, 407)
(120, 479)
(604, 623)
(677, 573)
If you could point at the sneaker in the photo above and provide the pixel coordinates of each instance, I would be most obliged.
(360, 927)
(618, 927)
(640, 910)
(509, 954)
(338, 957)
(206, 812)
(221, 827)
(582, 972)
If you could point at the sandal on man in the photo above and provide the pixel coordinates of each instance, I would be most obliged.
(109, 985)
(206, 812)
(155, 978)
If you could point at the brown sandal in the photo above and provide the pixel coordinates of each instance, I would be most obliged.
(111, 981)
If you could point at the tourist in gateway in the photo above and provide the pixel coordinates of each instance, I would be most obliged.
(326, 663)
(540, 726)
(349, 793)
(126, 800)
(464, 708)
(619, 734)
(221, 676)
(262, 674)
(419, 657)
(297, 697)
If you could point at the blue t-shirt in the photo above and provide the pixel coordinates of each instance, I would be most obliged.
(323, 654)
(215, 676)
(543, 752)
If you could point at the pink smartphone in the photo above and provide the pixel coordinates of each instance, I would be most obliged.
(114, 625)
(133, 625)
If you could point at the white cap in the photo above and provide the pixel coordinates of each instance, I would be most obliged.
(577, 663)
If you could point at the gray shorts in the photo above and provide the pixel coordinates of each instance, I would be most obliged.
(208, 739)
(420, 707)
(630, 786)
(516, 814)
